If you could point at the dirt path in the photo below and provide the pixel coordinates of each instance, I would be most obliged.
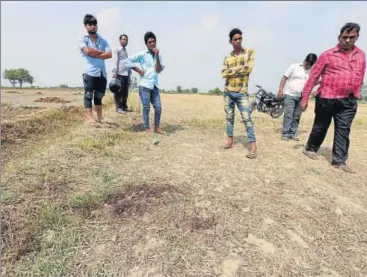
(186, 207)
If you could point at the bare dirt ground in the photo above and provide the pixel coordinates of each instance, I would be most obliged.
(82, 201)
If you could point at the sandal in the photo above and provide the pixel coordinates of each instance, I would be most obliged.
(251, 155)
(94, 124)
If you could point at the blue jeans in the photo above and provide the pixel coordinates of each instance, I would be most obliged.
(243, 104)
(292, 116)
(148, 96)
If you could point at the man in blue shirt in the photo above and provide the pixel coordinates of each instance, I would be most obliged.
(150, 61)
(94, 49)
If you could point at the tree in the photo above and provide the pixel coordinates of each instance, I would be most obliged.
(179, 89)
(19, 76)
(216, 91)
(187, 91)
(24, 77)
(11, 76)
(194, 90)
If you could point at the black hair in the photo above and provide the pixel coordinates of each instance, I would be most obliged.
(311, 58)
(233, 32)
(123, 35)
(350, 26)
(149, 35)
(89, 19)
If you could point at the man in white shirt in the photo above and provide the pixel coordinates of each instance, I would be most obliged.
(291, 87)
(122, 73)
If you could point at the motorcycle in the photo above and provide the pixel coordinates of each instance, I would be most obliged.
(267, 102)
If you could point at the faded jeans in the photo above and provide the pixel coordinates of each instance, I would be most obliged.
(243, 104)
(292, 116)
(148, 96)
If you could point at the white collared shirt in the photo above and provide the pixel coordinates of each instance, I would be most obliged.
(297, 77)
(119, 55)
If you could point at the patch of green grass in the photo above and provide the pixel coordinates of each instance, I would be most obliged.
(85, 202)
(56, 254)
(89, 144)
(51, 217)
(314, 170)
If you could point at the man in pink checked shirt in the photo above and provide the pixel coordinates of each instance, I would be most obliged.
(342, 71)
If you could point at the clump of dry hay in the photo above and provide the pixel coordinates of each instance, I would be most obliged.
(133, 102)
(52, 100)
(35, 125)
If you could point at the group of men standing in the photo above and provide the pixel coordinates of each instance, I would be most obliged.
(338, 71)
(95, 49)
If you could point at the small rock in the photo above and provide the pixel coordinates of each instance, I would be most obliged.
(338, 211)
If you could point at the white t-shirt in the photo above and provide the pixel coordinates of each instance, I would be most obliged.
(297, 77)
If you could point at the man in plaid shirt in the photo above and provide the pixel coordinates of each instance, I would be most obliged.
(236, 70)
(342, 70)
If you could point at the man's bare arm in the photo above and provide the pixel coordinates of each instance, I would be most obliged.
(283, 81)
(105, 55)
(92, 52)
(138, 70)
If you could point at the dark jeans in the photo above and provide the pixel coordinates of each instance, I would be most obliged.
(94, 89)
(148, 96)
(343, 112)
(123, 94)
(292, 115)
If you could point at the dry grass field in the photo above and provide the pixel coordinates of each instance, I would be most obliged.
(82, 201)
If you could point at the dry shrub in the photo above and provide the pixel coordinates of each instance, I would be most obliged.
(52, 100)
(133, 102)
(42, 122)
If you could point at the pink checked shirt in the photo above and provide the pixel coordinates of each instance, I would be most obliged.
(340, 74)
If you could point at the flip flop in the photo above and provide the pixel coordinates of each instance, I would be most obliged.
(251, 155)
(94, 124)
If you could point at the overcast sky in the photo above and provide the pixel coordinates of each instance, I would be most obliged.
(192, 36)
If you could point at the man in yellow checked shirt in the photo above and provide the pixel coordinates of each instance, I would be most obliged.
(237, 67)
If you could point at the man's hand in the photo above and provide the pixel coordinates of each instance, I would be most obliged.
(155, 51)
(280, 94)
(303, 106)
(141, 72)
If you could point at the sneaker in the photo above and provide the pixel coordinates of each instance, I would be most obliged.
(343, 167)
(295, 138)
(310, 154)
(285, 138)
(120, 111)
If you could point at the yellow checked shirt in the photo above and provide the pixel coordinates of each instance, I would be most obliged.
(236, 70)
